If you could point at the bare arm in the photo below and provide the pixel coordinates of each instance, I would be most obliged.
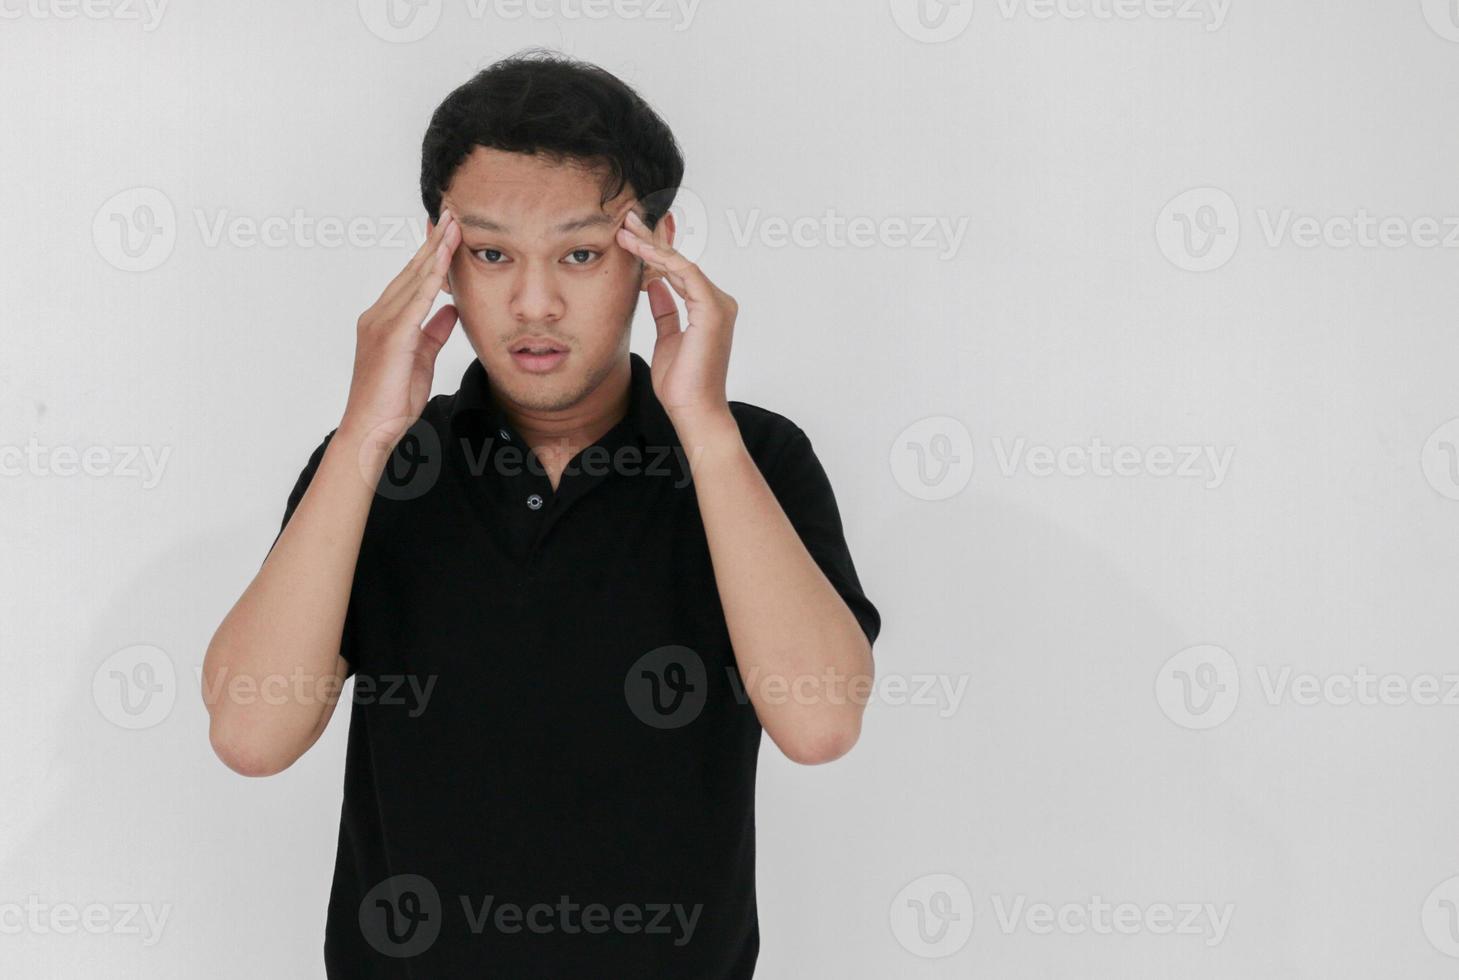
(802, 654)
(273, 670)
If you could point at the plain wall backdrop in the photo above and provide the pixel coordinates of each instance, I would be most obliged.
(1125, 330)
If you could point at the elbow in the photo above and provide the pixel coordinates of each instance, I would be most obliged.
(820, 745)
(244, 755)
(248, 739)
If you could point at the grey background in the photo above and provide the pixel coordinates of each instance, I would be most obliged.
(1069, 311)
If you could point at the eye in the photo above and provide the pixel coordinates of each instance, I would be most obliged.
(584, 253)
(490, 256)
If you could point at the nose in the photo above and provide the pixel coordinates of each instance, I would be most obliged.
(535, 296)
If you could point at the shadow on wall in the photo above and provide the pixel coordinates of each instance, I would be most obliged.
(1056, 776)
(1057, 768)
(139, 812)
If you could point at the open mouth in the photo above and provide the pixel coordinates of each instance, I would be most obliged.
(538, 355)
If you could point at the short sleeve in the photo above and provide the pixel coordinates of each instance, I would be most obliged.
(800, 484)
(301, 485)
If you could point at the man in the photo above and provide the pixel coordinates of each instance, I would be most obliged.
(572, 593)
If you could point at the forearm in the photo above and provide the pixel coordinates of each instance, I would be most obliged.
(273, 671)
(802, 655)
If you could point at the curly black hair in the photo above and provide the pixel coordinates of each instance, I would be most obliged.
(542, 101)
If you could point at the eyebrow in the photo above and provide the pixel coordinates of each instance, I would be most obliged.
(575, 224)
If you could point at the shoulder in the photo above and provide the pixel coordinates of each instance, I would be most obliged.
(440, 408)
(769, 436)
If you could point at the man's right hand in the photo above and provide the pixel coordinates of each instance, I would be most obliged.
(288, 624)
(395, 357)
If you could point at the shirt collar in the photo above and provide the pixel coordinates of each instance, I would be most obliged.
(477, 412)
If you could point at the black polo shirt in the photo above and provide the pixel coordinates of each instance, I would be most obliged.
(551, 761)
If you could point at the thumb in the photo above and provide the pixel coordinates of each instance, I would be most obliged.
(438, 329)
(665, 311)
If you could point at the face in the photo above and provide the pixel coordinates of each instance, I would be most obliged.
(545, 294)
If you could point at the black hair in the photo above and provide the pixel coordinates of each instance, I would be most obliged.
(541, 101)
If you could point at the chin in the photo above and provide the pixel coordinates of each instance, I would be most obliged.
(547, 394)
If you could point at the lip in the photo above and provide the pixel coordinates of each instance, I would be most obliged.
(538, 363)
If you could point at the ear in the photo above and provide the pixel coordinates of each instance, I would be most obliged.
(663, 234)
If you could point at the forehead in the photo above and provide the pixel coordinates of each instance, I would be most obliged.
(495, 190)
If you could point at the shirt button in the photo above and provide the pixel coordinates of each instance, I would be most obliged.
(535, 501)
(506, 436)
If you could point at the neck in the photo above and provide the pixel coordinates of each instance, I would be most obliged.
(561, 434)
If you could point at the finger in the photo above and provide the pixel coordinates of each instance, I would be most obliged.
(438, 329)
(686, 277)
(433, 275)
(423, 259)
(413, 305)
(665, 310)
